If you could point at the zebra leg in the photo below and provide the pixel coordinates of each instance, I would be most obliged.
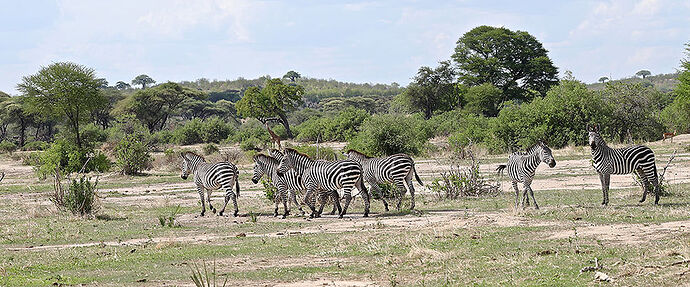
(645, 183)
(531, 193)
(293, 199)
(276, 201)
(200, 189)
(365, 198)
(348, 197)
(208, 198)
(401, 190)
(517, 194)
(335, 197)
(605, 180)
(376, 192)
(411, 187)
(310, 199)
(525, 198)
(283, 196)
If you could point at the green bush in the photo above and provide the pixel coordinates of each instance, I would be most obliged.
(391, 134)
(7, 146)
(189, 133)
(634, 111)
(251, 134)
(342, 127)
(162, 137)
(80, 198)
(68, 158)
(132, 154)
(252, 144)
(270, 191)
(92, 136)
(36, 145)
(472, 128)
(215, 130)
(210, 149)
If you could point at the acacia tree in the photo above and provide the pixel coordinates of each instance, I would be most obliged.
(275, 99)
(292, 75)
(603, 79)
(154, 106)
(120, 85)
(143, 80)
(514, 61)
(432, 89)
(643, 73)
(65, 90)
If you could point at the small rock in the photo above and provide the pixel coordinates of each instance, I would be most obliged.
(601, 276)
(241, 235)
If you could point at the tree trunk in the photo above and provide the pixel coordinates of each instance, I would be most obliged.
(285, 123)
(22, 130)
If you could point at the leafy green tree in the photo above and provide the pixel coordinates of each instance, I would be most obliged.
(603, 79)
(4, 95)
(13, 111)
(634, 111)
(513, 61)
(483, 100)
(154, 106)
(120, 85)
(65, 89)
(143, 80)
(102, 116)
(292, 75)
(275, 99)
(643, 73)
(432, 90)
(677, 114)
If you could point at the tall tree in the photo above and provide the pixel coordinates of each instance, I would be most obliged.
(275, 99)
(643, 73)
(677, 114)
(603, 79)
(292, 75)
(154, 106)
(64, 89)
(513, 61)
(432, 89)
(143, 80)
(14, 112)
(120, 85)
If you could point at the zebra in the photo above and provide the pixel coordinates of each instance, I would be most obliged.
(211, 176)
(607, 161)
(278, 155)
(286, 184)
(397, 169)
(324, 176)
(521, 167)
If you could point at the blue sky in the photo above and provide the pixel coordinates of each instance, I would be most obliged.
(355, 41)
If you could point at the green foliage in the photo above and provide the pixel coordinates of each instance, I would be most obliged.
(36, 145)
(169, 219)
(162, 137)
(472, 129)
(132, 154)
(213, 130)
(66, 90)
(634, 111)
(432, 90)
(81, 196)
(143, 80)
(514, 61)
(275, 99)
(341, 127)
(66, 157)
(7, 146)
(391, 134)
(253, 144)
(189, 133)
(459, 182)
(292, 76)
(251, 134)
(210, 149)
(677, 115)
(643, 73)
(321, 152)
(154, 106)
(270, 191)
(483, 100)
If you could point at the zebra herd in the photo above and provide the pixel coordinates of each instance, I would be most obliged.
(292, 172)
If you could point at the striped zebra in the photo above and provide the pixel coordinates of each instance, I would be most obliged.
(211, 176)
(287, 184)
(274, 153)
(324, 176)
(607, 161)
(397, 169)
(521, 167)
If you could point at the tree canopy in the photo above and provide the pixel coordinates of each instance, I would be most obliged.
(120, 85)
(432, 89)
(643, 73)
(66, 90)
(514, 61)
(143, 80)
(292, 76)
(154, 106)
(275, 99)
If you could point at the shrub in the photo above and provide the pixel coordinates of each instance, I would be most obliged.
(132, 154)
(634, 111)
(162, 137)
(92, 135)
(458, 182)
(214, 130)
(80, 197)
(252, 144)
(251, 135)
(36, 145)
(7, 146)
(66, 157)
(210, 148)
(270, 191)
(341, 127)
(391, 134)
(189, 133)
(472, 129)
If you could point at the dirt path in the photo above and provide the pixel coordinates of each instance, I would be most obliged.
(627, 233)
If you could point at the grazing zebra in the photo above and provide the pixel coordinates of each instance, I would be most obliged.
(274, 153)
(608, 161)
(289, 182)
(397, 169)
(211, 176)
(324, 176)
(521, 167)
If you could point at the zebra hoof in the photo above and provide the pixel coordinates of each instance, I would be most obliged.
(213, 209)
(340, 216)
(202, 214)
(366, 215)
(235, 214)
(284, 216)
(642, 200)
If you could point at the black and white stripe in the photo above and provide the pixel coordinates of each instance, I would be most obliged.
(323, 176)
(211, 176)
(397, 169)
(287, 184)
(521, 167)
(607, 161)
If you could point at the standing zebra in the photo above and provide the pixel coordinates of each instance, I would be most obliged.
(397, 169)
(608, 161)
(521, 167)
(289, 182)
(211, 176)
(324, 176)
(274, 153)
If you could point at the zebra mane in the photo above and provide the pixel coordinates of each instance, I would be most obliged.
(264, 156)
(357, 152)
(186, 153)
(531, 148)
(297, 152)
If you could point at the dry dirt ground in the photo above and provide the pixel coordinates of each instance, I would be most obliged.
(572, 173)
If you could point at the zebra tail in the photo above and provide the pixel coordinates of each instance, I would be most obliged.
(500, 168)
(237, 185)
(417, 176)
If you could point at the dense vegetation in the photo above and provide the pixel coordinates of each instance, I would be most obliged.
(481, 95)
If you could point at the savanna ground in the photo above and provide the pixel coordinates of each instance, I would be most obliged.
(472, 241)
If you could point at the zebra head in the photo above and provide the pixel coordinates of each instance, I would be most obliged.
(259, 168)
(286, 163)
(184, 166)
(545, 155)
(354, 155)
(595, 139)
